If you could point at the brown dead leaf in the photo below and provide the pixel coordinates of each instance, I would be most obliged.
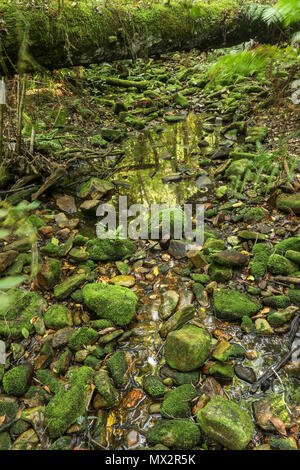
(279, 425)
(2, 419)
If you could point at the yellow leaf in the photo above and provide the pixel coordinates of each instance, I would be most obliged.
(155, 271)
(110, 420)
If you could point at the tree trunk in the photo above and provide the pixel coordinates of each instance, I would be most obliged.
(34, 38)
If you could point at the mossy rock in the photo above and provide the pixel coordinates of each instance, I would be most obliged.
(271, 406)
(109, 250)
(175, 434)
(187, 348)
(154, 387)
(69, 403)
(277, 301)
(17, 317)
(258, 265)
(105, 388)
(58, 316)
(219, 273)
(62, 443)
(282, 316)
(17, 380)
(291, 243)
(115, 303)
(95, 188)
(278, 264)
(211, 244)
(293, 256)
(49, 274)
(288, 202)
(294, 296)
(5, 441)
(46, 378)
(179, 378)
(177, 402)
(230, 304)
(226, 423)
(63, 290)
(84, 336)
(117, 366)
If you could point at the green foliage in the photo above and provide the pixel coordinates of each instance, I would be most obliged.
(251, 63)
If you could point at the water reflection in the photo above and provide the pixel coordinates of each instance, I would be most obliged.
(162, 167)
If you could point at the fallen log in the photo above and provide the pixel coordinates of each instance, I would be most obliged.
(43, 35)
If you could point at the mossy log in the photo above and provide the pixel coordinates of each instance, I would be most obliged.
(46, 36)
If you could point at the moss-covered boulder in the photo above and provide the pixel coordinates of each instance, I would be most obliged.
(229, 258)
(84, 336)
(117, 366)
(105, 388)
(95, 188)
(291, 243)
(16, 318)
(69, 403)
(288, 202)
(268, 408)
(226, 423)
(115, 303)
(224, 350)
(173, 433)
(278, 264)
(63, 290)
(58, 316)
(258, 265)
(109, 250)
(179, 378)
(282, 316)
(187, 348)
(154, 387)
(294, 296)
(178, 319)
(230, 304)
(219, 273)
(17, 380)
(49, 274)
(177, 402)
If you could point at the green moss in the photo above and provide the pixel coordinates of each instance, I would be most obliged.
(277, 301)
(294, 295)
(77, 296)
(91, 361)
(62, 443)
(287, 202)
(255, 214)
(293, 256)
(247, 324)
(117, 367)
(5, 441)
(226, 423)
(107, 250)
(50, 274)
(98, 141)
(24, 306)
(230, 304)
(179, 378)
(49, 379)
(283, 444)
(219, 273)
(177, 434)
(83, 337)
(101, 324)
(58, 316)
(213, 245)
(203, 278)
(50, 249)
(38, 393)
(16, 381)
(9, 409)
(36, 221)
(259, 263)
(105, 387)
(247, 235)
(278, 264)
(177, 402)
(80, 240)
(187, 348)
(114, 303)
(19, 427)
(98, 352)
(154, 387)
(225, 350)
(292, 243)
(68, 404)
(63, 290)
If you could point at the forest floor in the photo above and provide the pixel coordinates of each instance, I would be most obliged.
(98, 368)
